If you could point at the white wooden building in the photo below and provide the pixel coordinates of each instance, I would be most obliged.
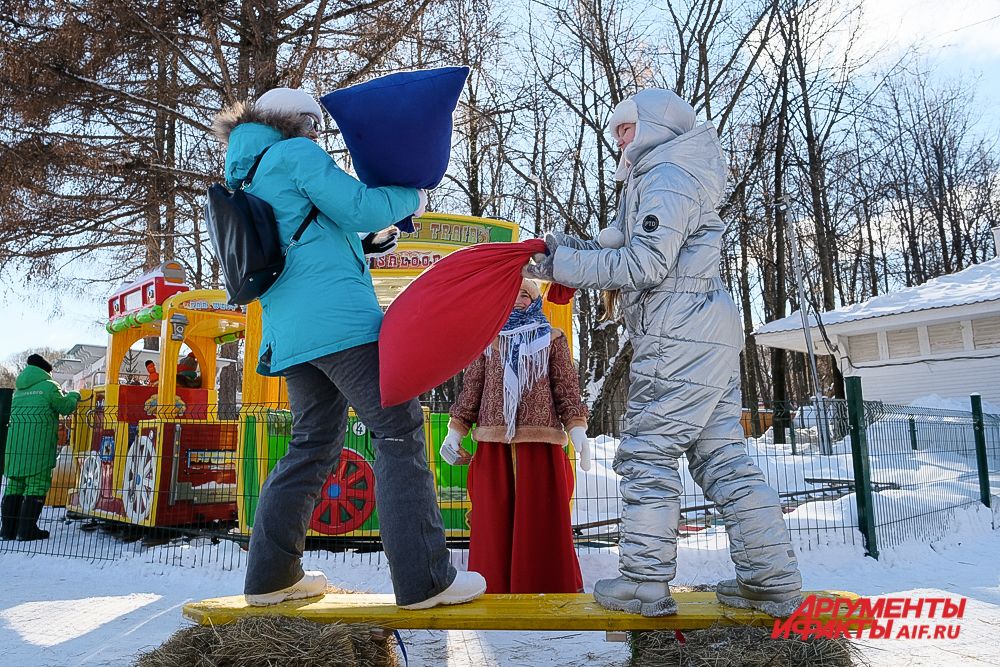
(940, 338)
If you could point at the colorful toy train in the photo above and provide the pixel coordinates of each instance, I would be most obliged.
(165, 455)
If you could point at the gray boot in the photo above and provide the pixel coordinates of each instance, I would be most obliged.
(649, 598)
(780, 605)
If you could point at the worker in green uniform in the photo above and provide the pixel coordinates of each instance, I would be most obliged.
(31, 448)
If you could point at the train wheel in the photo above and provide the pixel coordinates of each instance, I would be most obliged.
(140, 478)
(347, 498)
(89, 487)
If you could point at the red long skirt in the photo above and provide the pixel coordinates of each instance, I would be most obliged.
(521, 534)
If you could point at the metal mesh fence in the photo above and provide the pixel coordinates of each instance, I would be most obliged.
(118, 480)
(924, 467)
(806, 456)
(813, 489)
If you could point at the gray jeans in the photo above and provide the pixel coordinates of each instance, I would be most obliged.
(410, 522)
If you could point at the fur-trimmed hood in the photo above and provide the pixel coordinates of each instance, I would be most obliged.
(288, 124)
(248, 131)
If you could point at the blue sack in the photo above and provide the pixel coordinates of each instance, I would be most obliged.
(398, 127)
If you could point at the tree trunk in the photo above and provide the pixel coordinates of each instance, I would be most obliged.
(230, 379)
(779, 400)
(608, 408)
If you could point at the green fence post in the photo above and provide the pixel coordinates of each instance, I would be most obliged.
(982, 463)
(862, 468)
(913, 433)
(779, 422)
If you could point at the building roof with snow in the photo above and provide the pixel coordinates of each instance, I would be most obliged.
(979, 283)
(940, 337)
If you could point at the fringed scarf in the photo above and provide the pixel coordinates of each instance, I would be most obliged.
(524, 355)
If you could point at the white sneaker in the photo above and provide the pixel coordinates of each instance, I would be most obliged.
(310, 585)
(466, 587)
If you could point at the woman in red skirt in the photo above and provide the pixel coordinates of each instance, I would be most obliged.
(523, 394)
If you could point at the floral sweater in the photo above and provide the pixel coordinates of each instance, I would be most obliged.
(547, 410)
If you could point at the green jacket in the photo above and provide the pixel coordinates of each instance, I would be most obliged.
(34, 422)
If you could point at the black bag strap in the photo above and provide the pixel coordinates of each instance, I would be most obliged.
(253, 170)
(302, 228)
(308, 219)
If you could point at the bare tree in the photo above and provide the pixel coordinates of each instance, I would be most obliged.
(104, 153)
(104, 157)
(104, 148)
(7, 378)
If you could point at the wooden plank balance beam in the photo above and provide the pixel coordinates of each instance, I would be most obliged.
(576, 611)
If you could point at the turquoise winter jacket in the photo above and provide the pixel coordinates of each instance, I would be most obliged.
(324, 301)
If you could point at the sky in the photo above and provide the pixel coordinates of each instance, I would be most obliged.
(957, 38)
(31, 316)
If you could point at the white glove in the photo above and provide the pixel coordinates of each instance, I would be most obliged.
(582, 445)
(451, 449)
(422, 206)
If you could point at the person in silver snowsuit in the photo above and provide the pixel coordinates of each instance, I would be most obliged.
(663, 255)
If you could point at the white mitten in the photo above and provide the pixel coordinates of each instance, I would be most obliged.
(582, 445)
(422, 206)
(451, 448)
(611, 237)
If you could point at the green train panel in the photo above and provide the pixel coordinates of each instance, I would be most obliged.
(347, 502)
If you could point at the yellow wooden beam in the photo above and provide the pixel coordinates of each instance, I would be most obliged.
(491, 612)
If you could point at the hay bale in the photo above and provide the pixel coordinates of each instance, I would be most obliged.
(738, 646)
(268, 641)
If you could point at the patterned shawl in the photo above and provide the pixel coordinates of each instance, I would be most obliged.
(524, 355)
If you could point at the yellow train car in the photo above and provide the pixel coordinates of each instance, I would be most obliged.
(157, 454)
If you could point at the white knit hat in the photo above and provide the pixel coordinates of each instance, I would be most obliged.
(290, 100)
(625, 112)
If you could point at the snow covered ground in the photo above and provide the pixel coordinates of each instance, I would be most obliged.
(64, 611)
(58, 611)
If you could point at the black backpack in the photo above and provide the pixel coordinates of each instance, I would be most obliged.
(245, 236)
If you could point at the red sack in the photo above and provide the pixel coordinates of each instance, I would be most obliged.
(449, 314)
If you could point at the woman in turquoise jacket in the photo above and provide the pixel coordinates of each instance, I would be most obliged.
(320, 329)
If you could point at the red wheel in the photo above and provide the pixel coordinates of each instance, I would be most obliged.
(347, 498)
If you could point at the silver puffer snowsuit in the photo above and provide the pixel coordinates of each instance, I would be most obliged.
(684, 393)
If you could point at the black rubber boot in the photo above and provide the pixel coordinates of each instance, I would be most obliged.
(10, 511)
(27, 526)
